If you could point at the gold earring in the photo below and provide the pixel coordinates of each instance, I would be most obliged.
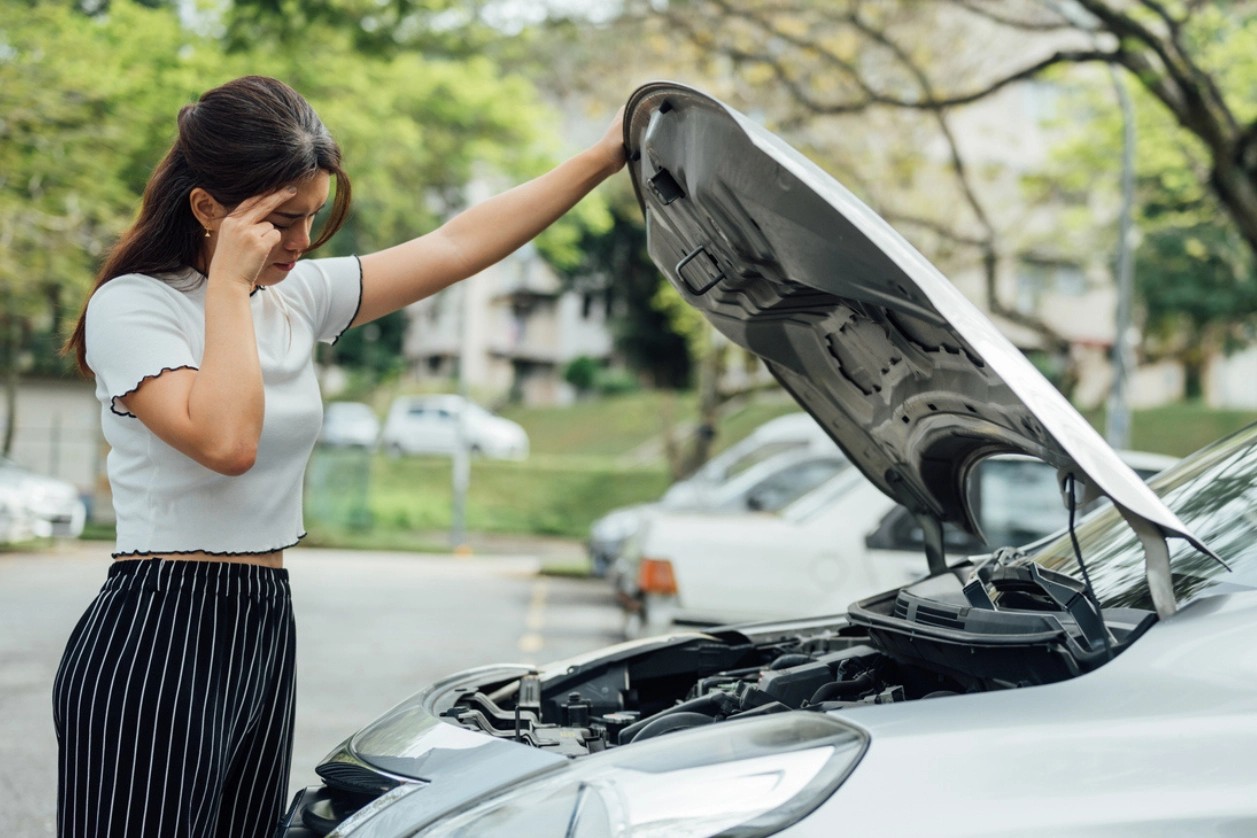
(207, 232)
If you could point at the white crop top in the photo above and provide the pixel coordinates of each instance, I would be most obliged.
(165, 502)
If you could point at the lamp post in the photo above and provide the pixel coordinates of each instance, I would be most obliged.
(1117, 421)
(461, 461)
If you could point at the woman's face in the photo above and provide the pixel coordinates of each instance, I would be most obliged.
(294, 219)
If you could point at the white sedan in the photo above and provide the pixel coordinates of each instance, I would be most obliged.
(842, 541)
(441, 424)
(34, 505)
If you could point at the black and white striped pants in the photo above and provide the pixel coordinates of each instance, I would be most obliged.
(174, 703)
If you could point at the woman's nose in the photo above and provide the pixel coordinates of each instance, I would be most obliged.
(298, 238)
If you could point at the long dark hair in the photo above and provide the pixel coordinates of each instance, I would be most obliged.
(249, 136)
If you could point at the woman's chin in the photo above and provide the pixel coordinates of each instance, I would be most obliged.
(275, 272)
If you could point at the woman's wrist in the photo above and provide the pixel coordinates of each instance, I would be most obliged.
(604, 159)
(230, 279)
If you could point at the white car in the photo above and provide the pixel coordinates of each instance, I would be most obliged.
(791, 432)
(439, 424)
(1100, 683)
(765, 487)
(34, 505)
(844, 540)
(349, 425)
(718, 484)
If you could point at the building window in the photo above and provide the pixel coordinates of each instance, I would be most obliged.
(1037, 280)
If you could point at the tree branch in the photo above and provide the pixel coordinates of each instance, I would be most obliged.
(975, 7)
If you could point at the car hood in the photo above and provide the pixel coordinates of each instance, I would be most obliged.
(907, 376)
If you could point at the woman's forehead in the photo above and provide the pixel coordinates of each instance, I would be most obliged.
(311, 194)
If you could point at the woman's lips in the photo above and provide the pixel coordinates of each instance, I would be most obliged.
(285, 266)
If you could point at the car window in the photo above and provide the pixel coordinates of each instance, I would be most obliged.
(760, 454)
(786, 486)
(1017, 501)
(900, 530)
(1214, 494)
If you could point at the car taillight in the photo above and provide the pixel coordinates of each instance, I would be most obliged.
(654, 576)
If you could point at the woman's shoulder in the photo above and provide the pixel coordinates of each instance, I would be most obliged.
(140, 290)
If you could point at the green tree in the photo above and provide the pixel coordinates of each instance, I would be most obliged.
(822, 71)
(1194, 270)
(615, 266)
(87, 106)
(75, 145)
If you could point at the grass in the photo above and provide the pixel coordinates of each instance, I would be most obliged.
(586, 460)
(1178, 429)
(612, 427)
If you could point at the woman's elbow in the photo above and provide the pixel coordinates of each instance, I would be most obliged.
(233, 461)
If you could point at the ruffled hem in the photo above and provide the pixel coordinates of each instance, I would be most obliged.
(113, 402)
(207, 552)
(357, 308)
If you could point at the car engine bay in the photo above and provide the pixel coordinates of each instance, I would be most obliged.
(1011, 624)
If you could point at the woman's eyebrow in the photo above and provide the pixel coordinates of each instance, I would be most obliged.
(295, 215)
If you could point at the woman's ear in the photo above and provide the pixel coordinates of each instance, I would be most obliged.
(207, 210)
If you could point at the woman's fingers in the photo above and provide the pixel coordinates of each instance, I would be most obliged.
(259, 206)
(246, 238)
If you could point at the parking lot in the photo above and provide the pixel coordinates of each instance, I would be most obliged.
(373, 628)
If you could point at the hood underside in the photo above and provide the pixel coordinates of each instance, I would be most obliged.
(910, 379)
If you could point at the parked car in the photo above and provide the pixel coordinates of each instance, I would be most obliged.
(34, 505)
(17, 521)
(719, 484)
(349, 425)
(436, 424)
(1101, 682)
(789, 432)
(843, 540)
(766, 487)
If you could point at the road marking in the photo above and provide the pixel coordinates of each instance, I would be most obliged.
(531, 641)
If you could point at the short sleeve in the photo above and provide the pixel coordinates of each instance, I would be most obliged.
(135, 329)
(327, 292)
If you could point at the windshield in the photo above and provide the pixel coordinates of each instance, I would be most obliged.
(1214, 493)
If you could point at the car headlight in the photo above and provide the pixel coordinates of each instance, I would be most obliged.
(757, 776)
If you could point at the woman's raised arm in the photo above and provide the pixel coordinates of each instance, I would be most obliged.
(485, 233)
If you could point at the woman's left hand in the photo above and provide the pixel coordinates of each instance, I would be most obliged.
(612, 143)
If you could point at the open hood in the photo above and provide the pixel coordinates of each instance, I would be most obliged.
(910, 379)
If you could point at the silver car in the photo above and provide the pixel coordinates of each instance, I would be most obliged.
(34, 505)
(1102, 682)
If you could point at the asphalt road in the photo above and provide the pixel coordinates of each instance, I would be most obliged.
(372, 627)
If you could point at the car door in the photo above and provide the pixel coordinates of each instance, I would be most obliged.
(803, 561)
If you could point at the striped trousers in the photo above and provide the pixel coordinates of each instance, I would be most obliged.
(174, 702)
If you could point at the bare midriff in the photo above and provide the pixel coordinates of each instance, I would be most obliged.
(273, 559)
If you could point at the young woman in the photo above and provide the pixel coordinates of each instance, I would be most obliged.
(174, 700)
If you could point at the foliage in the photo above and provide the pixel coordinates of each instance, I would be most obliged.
(374, 349)
(1193, 269)
(874, 88)
(76, 142)
(582, 373)
(87, 106)
(614, 263)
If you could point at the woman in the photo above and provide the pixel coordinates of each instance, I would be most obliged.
(174, 700)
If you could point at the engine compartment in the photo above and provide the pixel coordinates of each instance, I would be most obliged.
(1004, 623)
(1016, 626)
